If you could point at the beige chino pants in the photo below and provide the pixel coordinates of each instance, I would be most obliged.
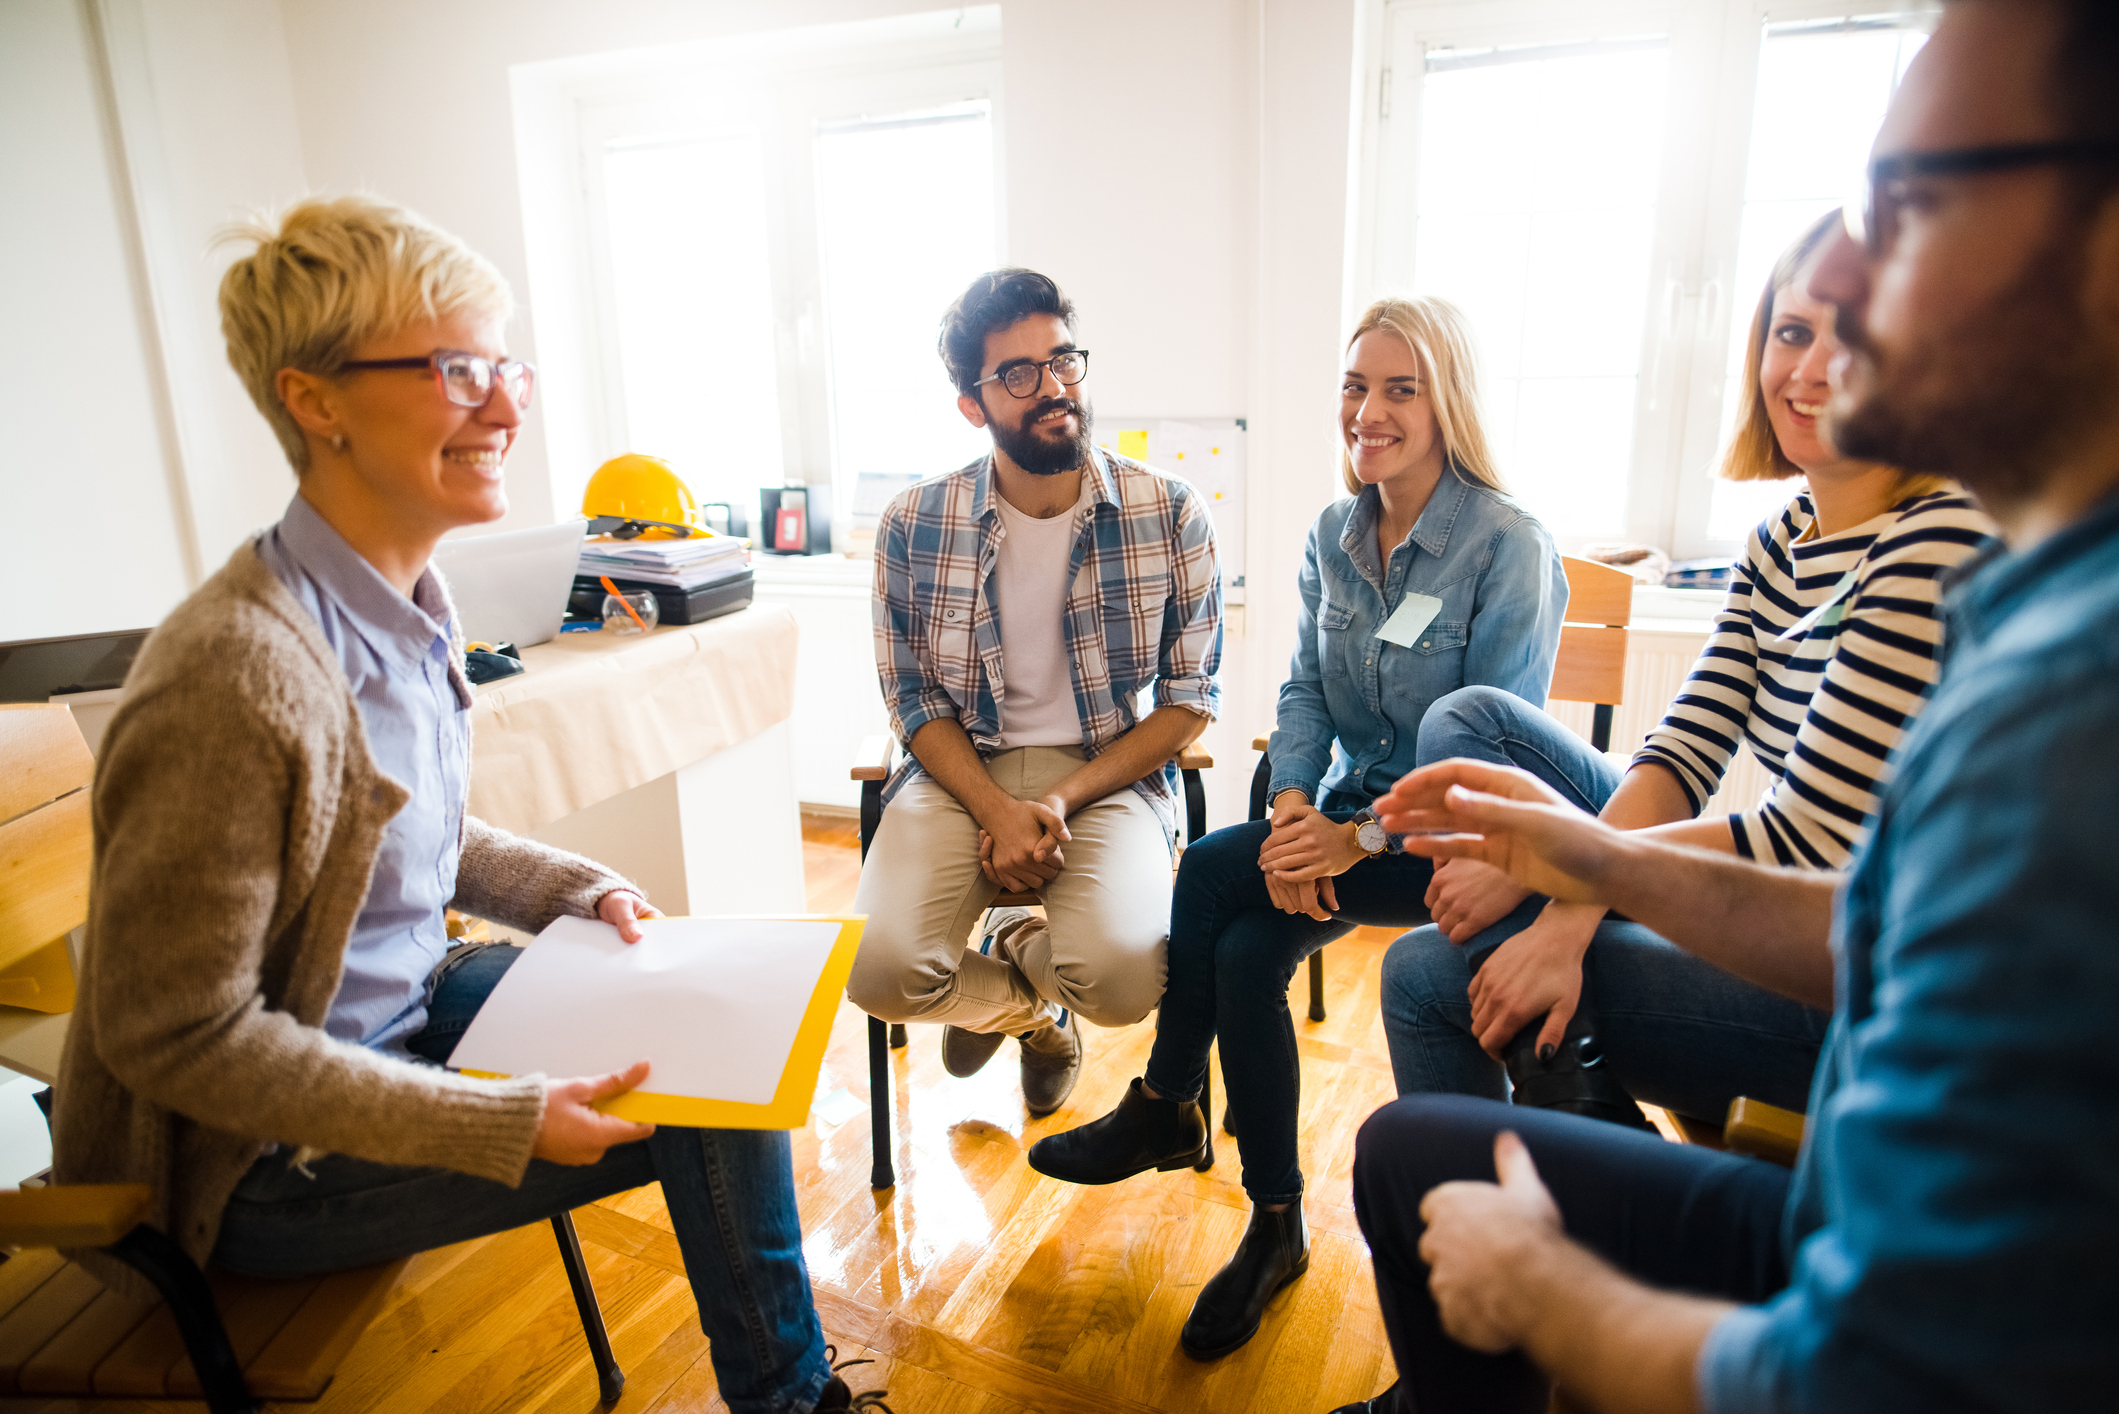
(1099, 953)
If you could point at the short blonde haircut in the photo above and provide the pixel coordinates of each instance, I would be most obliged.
(1754, 452)
(1441, 339)
(331, 275)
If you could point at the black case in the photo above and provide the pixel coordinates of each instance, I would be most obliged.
(679, 606)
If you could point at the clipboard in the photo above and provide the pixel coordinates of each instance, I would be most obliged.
(788, 1107)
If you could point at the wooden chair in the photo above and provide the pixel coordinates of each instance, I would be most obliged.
(872, 768)
(1753, 1127)
(1590, 667)
(231, 1341)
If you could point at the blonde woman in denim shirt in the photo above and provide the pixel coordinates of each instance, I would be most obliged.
(1426, 578)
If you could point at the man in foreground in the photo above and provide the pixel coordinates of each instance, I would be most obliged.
(1022, 604)
(1950, 1237)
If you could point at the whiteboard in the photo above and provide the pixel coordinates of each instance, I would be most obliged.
(1208, 452)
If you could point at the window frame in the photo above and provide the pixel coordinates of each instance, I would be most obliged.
(1714, 48)
(785, 98)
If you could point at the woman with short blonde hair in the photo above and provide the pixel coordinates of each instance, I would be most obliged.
(1424, 578)
(268, 988)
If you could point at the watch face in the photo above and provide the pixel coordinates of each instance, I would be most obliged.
(1371, 837)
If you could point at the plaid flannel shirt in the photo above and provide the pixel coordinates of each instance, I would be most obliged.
(1144, 606)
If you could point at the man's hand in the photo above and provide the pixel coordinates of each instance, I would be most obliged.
(571, 1132)
(1481, 1239)
(1498, 815)
(1536, 973)
(622, 909)
(1019, 844)
(1306, 844)
(1465, 897)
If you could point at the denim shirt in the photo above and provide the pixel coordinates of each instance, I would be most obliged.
(1349, 718)
(414, 707)
(1954, 1219)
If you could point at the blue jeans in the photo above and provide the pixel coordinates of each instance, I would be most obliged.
(1677, 1032)
(731, 1197)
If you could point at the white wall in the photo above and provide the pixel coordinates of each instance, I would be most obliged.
(131, 461)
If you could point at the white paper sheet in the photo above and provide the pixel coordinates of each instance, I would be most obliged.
(1412, 616)
(712, 1004)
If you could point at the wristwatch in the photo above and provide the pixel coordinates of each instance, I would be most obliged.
(1369, 833)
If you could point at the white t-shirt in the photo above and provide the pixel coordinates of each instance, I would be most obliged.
(1030, 577)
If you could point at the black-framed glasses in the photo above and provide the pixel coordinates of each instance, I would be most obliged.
(1872, 218)
(1025, 378)
(466, 379)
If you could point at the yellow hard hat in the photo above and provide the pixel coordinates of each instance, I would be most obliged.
(640, 495)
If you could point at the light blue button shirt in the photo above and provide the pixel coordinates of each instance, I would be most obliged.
(397, 656)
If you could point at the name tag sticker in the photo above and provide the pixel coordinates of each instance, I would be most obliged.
(1412, 616)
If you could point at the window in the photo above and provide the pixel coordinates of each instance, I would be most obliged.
(771, 228)
(1603, 188)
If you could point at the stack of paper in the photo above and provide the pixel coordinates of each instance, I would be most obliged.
(679, 564)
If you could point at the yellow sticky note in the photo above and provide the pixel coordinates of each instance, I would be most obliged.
(1133, 442)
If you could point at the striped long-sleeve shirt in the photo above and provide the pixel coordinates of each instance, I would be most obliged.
(1822, 656)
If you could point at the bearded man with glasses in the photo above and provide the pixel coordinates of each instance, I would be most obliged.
(1949, 1237)
(1022, 605)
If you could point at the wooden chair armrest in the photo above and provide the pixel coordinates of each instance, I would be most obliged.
(75, 1215)
(1763, 1131)
(1194, 758)
(875, 758)
(1259, 743)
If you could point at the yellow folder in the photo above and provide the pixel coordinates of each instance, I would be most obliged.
(789, 1106)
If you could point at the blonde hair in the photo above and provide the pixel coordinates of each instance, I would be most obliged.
(1754, 452)
(1441, 339)
(331, 275)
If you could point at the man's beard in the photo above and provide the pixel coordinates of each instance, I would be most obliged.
(1042, 456)
(1994, 401)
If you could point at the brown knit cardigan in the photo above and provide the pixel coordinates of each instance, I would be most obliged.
(237, 814)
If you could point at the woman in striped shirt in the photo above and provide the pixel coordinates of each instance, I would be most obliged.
(1822, 656)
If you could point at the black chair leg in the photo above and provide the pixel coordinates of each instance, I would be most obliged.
(610, 1380)
(880, 1174)
(155, 1255)
(1206, 1107)
(897, 1035)
(1317, 985)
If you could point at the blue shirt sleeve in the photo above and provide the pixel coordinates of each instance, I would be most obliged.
(1964, 1155)
(1514, 634)
(1301, 744)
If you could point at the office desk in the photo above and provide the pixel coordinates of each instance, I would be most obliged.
(667, 756)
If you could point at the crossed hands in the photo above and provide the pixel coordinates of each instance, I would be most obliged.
(573, 1131)
(1019, 846)
(1480, 1238)
(1302, 854)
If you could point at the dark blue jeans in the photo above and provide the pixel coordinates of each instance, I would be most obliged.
(1232, 955)
(1678, 1032)
(731, 1197)
(1672, 1215)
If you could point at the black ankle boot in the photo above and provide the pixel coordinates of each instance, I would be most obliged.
(1141, 1134)
(1275, 1250)
(1573, 1079)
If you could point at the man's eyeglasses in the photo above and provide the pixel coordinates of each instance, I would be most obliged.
(1024, 379)
(1872, 218)
(466, 379)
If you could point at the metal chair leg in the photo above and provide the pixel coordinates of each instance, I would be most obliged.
(897, 1035)
(1317, 985)
(1206, 1107)
(610, 1380)
(880, 1174)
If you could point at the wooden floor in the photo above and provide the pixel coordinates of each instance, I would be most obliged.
(976, 1286)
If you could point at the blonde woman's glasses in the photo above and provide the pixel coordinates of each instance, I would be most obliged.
(466, 379)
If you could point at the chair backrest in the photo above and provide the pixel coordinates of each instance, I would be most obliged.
(1591, 666)
(45, 769)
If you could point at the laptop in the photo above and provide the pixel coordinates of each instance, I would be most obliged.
(512, 587)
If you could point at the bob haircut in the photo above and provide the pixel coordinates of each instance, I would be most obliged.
(1441, 339)
(1754, 452)
(332, 275)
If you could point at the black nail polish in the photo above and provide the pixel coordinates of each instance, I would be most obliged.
(1545, 1051)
